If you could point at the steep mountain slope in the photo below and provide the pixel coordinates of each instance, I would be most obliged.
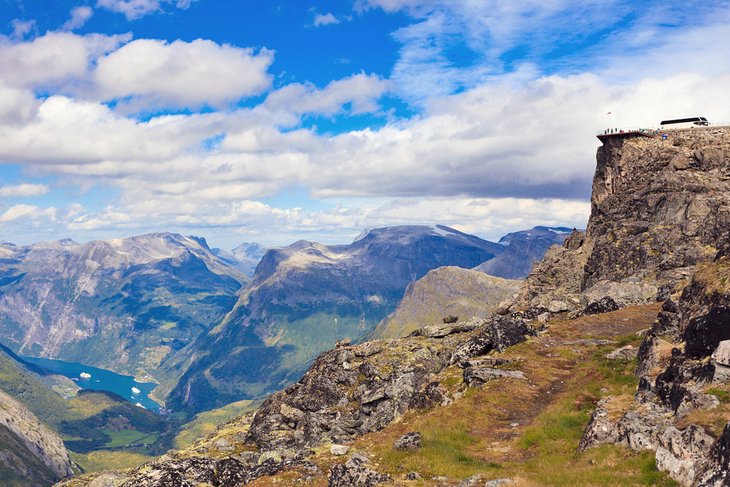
(446, 291)
(659, 207)
(522, 250)
(126, 305)
(305, 297)
(30, 453)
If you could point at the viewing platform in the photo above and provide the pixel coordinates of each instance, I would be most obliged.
(604, 135)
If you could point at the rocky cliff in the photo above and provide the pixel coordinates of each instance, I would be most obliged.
(682, 407)
(30, 453)
(658, 207)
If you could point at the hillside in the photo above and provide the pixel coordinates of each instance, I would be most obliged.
(96, 427)
(126, 305)
(30, 453)
(446, 292)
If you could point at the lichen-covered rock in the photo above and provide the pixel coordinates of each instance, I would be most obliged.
(603, 305)
(409, 441)
(476, 376)
(355, 473)
(499, 333)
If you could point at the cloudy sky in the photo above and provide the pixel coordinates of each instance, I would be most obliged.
(275, 120)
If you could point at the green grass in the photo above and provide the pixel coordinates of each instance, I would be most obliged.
(206, 423)
(444, 451)
(721, 394)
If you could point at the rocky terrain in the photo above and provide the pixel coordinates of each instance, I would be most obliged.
(446, 292)
(126, 305)
(679, 411)
(30, 453)
(305, 297)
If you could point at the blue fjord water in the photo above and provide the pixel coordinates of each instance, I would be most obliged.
(101, 380)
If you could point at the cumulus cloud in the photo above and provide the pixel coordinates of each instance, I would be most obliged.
(325, 19)
(16, 105)
(23, 190)
(158, 74)
(59, 60)
(79, 17)
(360, 92)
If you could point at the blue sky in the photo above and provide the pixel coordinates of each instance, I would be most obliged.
(272, 120)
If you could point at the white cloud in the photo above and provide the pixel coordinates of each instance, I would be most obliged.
(158, 74)
(17, 106)
(325, 19)
(79, 17)
(27, 212)
(22, 28)
(53, 60)
(23, 190)
(135, 9)
(360, 91)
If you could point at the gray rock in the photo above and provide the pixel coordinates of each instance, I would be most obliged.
(629, 352)
(409, 441)
(498, 482)
(559, 306)
(338, 450)
(355, 474)
(476, 376)
(721, 355)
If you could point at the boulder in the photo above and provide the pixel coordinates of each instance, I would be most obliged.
(603, 305)
(338, 450)
(476, 376)
(409, 441)
(629, 352)
(355, 473)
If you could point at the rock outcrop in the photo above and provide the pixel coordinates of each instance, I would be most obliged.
(678, 362)
(347, 392)
(658, 208)
(34, 444)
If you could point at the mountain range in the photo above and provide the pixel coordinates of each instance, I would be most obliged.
(168, 309)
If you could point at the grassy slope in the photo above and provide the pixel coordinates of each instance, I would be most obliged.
(464, 293)
(526, 430)
(206, 423)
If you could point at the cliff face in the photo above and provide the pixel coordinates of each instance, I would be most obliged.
(659, 207)
(30, 452)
